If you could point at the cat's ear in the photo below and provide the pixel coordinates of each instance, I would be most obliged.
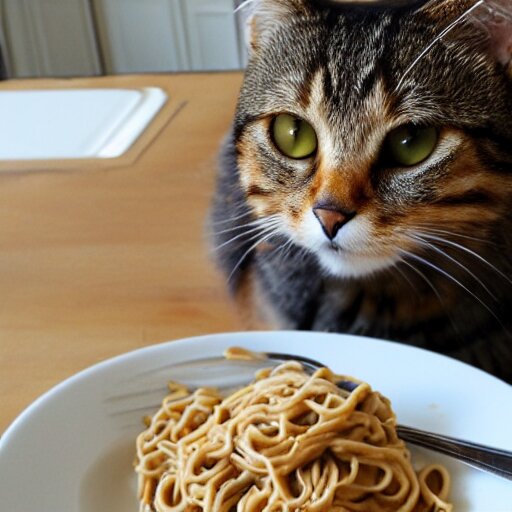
(494, 17)
(263, 17)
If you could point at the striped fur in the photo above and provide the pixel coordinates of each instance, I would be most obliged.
(426, 258)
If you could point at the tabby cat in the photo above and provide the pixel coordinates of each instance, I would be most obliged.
(366, 184)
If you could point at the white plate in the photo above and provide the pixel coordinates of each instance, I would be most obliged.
(68, 451)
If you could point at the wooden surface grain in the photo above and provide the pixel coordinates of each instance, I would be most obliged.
(101, 257)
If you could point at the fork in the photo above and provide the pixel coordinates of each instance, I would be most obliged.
(238, 371)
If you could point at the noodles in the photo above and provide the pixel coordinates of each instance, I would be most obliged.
(289, 441)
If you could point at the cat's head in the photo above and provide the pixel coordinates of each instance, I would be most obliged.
(362, 131)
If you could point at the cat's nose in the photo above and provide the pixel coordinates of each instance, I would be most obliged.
(332, 219)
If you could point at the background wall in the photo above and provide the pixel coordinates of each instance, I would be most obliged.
(92, 37)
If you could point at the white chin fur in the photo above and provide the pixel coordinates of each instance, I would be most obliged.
(350, 259)
(343, 264)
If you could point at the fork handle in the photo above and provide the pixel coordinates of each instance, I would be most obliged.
(492, 460)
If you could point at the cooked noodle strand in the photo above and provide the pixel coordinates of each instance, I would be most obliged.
(290, 441)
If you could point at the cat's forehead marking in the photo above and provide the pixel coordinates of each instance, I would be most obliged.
(343, 131)
(317, 111)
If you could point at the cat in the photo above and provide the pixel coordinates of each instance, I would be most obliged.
(366, 184)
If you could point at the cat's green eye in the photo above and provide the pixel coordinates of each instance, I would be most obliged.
(410, 144)
(294, 137)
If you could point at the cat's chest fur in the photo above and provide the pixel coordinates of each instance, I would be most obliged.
(423, 311)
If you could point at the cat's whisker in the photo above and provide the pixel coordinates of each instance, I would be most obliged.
(256, 230)
(244, 241)
(251, 238)
(285, 250)
(445, 31)
(288, 246)
(230, 219)
(434, 289)
(396, 267)
(431, 234)
(438, 231)
(303, 252)
(471, 252)
(269, 224)
(272, 233)
(423, 276)
(251, 224)
(454, 280)
(453, 260)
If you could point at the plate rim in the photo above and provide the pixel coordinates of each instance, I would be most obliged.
(125, 356)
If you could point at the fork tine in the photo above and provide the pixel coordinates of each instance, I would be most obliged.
(134, 394)
(307, 362)
(142, 394)
(145, 390)
(190, 364)
(209, 368)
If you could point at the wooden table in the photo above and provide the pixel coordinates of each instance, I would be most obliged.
(101, 257)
